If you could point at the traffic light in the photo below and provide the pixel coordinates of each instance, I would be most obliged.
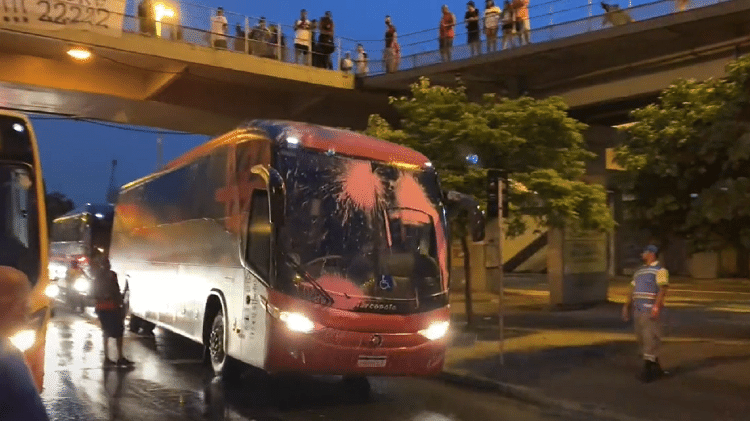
(493, 177)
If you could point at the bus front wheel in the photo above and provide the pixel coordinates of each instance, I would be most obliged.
(216, 341)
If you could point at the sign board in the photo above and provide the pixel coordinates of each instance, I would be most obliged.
(585, 253)
(104, 16)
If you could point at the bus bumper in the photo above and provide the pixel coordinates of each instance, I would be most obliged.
(329, 351)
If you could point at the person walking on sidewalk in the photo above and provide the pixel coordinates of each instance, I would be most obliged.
(646, 301)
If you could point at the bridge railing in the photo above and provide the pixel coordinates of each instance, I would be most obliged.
(549, 21)
(191, 23)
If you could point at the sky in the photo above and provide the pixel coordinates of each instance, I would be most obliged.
(76, 156)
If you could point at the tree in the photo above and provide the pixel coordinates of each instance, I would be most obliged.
(57, 205)
(535, 141)
(687, 162)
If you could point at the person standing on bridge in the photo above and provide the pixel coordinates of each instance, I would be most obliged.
(472, 27)
(219, 26)
(508, 17)
(447, 32)
(523, 24)
(325, 39)
(491, 24)
(646, 300)
(389, 55)
(19, 398)
(303, 38)
(361, 60)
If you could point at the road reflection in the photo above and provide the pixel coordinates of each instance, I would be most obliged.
(170, 382)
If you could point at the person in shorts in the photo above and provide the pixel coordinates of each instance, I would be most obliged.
(110, 310)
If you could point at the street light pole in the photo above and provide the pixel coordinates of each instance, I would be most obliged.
(501, 275)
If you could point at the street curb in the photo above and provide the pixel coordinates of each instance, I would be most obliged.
(530, 395)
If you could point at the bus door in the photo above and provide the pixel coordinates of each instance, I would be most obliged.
(256, 280)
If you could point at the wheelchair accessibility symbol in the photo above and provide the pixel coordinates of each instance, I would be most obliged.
(386, 283)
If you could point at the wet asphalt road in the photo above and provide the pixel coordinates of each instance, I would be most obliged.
(169, 382)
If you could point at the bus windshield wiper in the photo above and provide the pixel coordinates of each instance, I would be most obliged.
(305, 275)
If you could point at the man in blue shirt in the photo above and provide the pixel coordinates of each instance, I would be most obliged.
(646, 300)
(19, 399)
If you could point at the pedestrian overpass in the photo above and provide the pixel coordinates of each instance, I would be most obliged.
(602, 72)
(175, 80)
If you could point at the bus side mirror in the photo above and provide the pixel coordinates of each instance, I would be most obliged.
(277, 196)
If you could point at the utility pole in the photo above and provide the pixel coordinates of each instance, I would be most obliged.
(501, 274)
(496, 207)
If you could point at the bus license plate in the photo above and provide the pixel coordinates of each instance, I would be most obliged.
(371, 361)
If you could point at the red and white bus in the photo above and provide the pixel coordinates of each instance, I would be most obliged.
(293, 248)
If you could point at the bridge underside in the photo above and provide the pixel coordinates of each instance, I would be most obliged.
(178, 86)
(603, 74)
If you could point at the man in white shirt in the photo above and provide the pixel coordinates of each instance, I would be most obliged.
(219, 29)
(302, 38)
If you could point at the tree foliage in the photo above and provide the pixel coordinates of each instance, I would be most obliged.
(535, 141)
(687, 161)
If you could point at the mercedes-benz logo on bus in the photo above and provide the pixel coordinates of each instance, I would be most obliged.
(376, 340)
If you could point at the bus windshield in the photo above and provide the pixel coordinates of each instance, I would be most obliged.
(368, 234)
(18, 227)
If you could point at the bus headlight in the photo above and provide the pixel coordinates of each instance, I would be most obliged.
(24, 339)
(52, 290)
(435, 330)
(297, 322)
(82, 285)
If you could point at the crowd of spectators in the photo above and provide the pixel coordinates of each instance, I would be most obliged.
(314, 40)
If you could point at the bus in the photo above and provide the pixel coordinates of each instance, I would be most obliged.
(75, 239)
(292, 247)
(23, 230)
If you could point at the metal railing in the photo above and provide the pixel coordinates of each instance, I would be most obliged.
(560, 19)
(549, 20)
(244, 34)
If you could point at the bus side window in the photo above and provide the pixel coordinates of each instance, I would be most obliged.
(259, 234)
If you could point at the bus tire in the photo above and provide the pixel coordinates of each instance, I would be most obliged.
(147, 328)
(216, 344)
(135, 324)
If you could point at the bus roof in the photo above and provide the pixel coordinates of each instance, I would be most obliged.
(341, 141)
(315, 137)
(106, 210)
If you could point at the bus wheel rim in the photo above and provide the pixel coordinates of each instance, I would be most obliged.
(217, 343)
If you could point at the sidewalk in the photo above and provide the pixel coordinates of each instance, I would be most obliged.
(585, 361)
